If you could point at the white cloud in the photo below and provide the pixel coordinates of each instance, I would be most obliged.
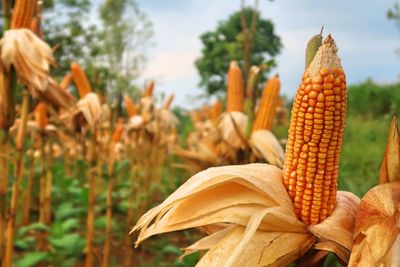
(367, 40)
(172, 65)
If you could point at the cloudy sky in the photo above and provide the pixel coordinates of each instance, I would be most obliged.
(367, 40)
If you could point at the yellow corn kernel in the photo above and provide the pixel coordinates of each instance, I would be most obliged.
(80, 80)
(315, 201)
(235, 91)
(23, 13)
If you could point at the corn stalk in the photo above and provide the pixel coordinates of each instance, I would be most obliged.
(15, 188)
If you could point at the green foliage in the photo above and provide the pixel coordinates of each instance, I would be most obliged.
(226, 43)
(372, 100)
(394, 13)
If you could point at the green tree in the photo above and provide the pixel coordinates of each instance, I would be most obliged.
(228, 42)
(125, 35)
(66, 27)
(394, 13)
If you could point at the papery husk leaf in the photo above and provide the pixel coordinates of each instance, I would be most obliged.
(390, 167)
(203, 157)
(89, 106)
(339, 226)
(266, 146)
(232, 126)
(55, 96)
(259, 249)
(341, 252)
(229, 194)
(134, 123)
(30, 56)
(376, 234)
(168, 120)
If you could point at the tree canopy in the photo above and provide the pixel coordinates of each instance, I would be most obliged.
(226, 43)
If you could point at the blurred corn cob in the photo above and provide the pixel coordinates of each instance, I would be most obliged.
(149, 89)
(315, 136)
(235, 92)
(169, 101)
(23, 13)
(66, 81)
(130, 107)
(216, 110)
(268, 103)
(80, 80)
(41, 116)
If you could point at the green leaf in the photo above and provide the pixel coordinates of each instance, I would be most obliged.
(31, 259)
(171, 249)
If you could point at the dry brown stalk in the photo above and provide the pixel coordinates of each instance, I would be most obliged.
(15, 188)
(89, 261)
(28, 194)
(107, 244)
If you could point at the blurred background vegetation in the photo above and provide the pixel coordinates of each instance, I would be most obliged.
(113, 53)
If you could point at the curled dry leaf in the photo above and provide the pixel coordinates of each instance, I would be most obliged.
(134, 123)
(89, 107)
(266, 146)
(376, 234)
(255, 223)
(232, 126)
(31, 62)
(167, 119)
(390, 167)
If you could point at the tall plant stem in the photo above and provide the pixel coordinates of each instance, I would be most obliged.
(15, 188)
(4, 157)
(107, 244)
(92, 199)
(26, 207)
(42, 194)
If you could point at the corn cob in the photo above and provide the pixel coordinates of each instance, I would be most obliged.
(149, 89)
(268, 103)
(216, 111)
(315, 136)
(235, 93)
(80, 80)
(117, 134)
(168, 102)
(130, 107)
(40, 115)
(23, 13)
(66, 81)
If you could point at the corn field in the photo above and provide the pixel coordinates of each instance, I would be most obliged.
(84, 182)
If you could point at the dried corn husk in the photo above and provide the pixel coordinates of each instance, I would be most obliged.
(232, 126)
(89, 107)
(390, 168)
(266, 146)
(30, 56)
(376, 234)
(263, 228)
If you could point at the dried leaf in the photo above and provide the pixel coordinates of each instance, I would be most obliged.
(376, 235)
(229, 131)
(339, 227)
(265, 145)
(390, 167)
(30, 56)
